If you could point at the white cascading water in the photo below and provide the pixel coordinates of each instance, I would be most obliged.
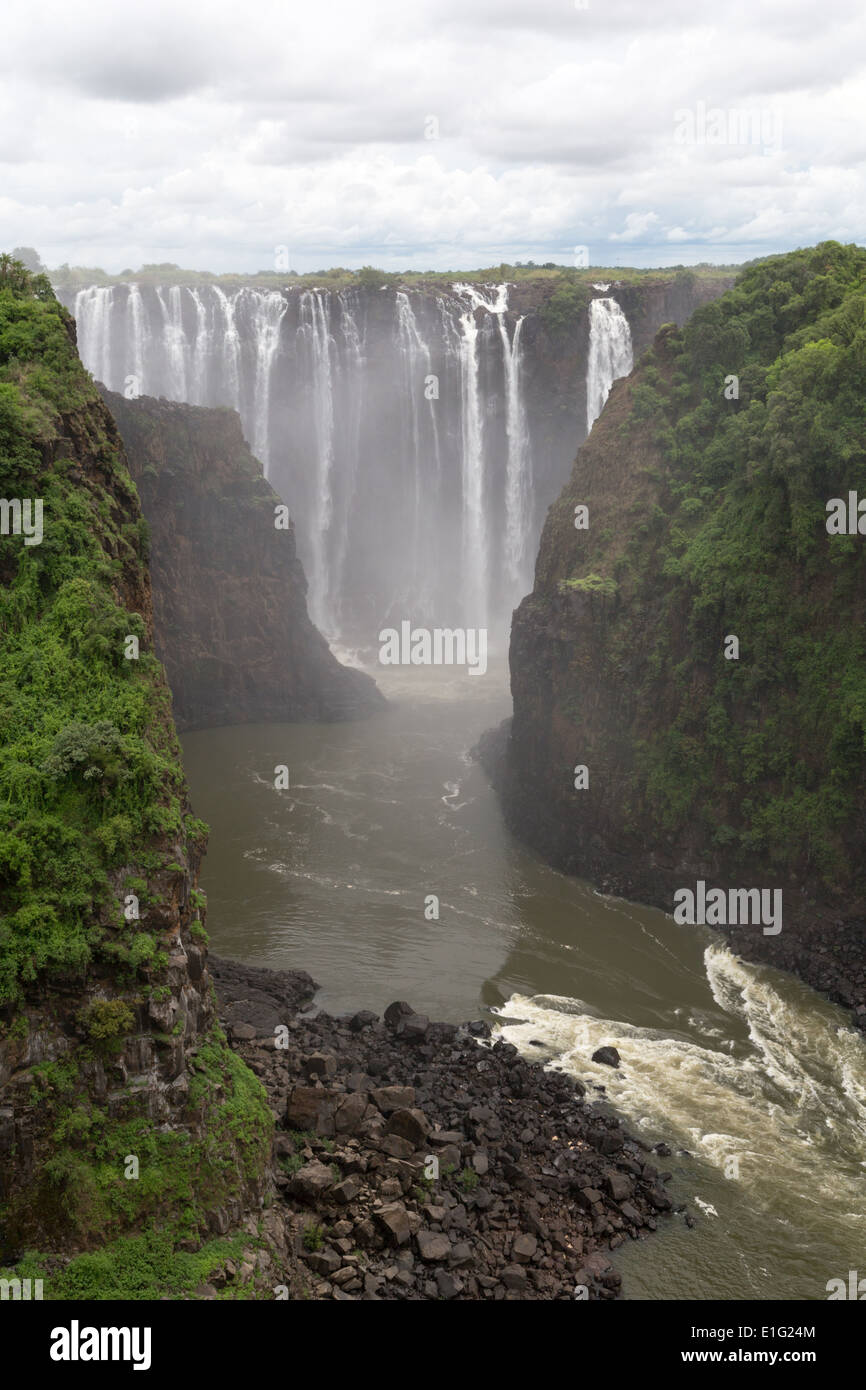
(175, 342)
(353, 363)
(784, 1110)
(137, 330)
(268, 312)
(314, 332)
(477, 514)
(201, 349)
(93, 320)
(610, 354)
(230, 351)
(517, 496)
(416, 366)
(408, 501)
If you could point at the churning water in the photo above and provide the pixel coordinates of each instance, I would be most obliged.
(760, 1081)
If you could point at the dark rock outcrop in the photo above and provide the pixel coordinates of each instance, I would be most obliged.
(443, 1167)
(229, 592)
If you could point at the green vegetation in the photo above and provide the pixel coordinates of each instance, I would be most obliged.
(139, 1267)
(569, 282)
(313, 1238)
(89, 769)
(85, 1188)
(764, 755)
(567, 302)
(590, 584)
(93, 809)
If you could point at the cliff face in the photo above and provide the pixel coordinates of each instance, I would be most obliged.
(229, 593)
(125, 1121)
(555, 344)
(707, 479)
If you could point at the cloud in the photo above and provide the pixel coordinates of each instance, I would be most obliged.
(205, 135)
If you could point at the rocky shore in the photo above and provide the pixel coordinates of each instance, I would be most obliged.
(424, 1160)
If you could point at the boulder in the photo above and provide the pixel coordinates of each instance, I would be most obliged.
(514, 1277)
(311, 1108)
(523, 1247)
(320, 1064)
(412, 1125)
(347, 1190)
(362, 1019)
(433, 1246)
(607, 1055)
(311, 1182)
(391, 1098)
(414, 1028)
(619, 1186)
(394, 1222)
(397, 1011)
(350, 1113)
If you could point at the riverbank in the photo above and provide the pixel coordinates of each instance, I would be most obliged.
(417, 1160)
(817, 945)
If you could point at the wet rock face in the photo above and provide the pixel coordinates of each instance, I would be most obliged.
(229, 593)
(435, 1162)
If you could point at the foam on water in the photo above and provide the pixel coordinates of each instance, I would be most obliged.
(771, 1104)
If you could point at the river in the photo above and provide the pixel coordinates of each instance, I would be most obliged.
(756, 1083)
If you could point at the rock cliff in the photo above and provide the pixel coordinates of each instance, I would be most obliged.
(126, 1123)
(707, 479)
(229, 593)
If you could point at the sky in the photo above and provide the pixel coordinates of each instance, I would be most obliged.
(429, 134)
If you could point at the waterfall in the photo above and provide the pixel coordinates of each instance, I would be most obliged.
(517, 499)
(136, 331)
(314, 333)
(353, 384)
(93, 320)
(416, 362)
(201, 349)
(610, 354)
(231, 349)
(175, 342)
(475, 515)
(394, 423)
(269, 310)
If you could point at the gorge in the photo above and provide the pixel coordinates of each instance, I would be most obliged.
(384, 865)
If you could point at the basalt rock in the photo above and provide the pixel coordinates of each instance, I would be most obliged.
(229, 593)
(646, 753)
(532, 1211)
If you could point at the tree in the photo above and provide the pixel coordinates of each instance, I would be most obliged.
(29, 258)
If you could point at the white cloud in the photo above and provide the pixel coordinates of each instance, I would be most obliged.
(208, 135)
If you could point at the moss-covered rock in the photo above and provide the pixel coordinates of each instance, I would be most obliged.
(122, 1111)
